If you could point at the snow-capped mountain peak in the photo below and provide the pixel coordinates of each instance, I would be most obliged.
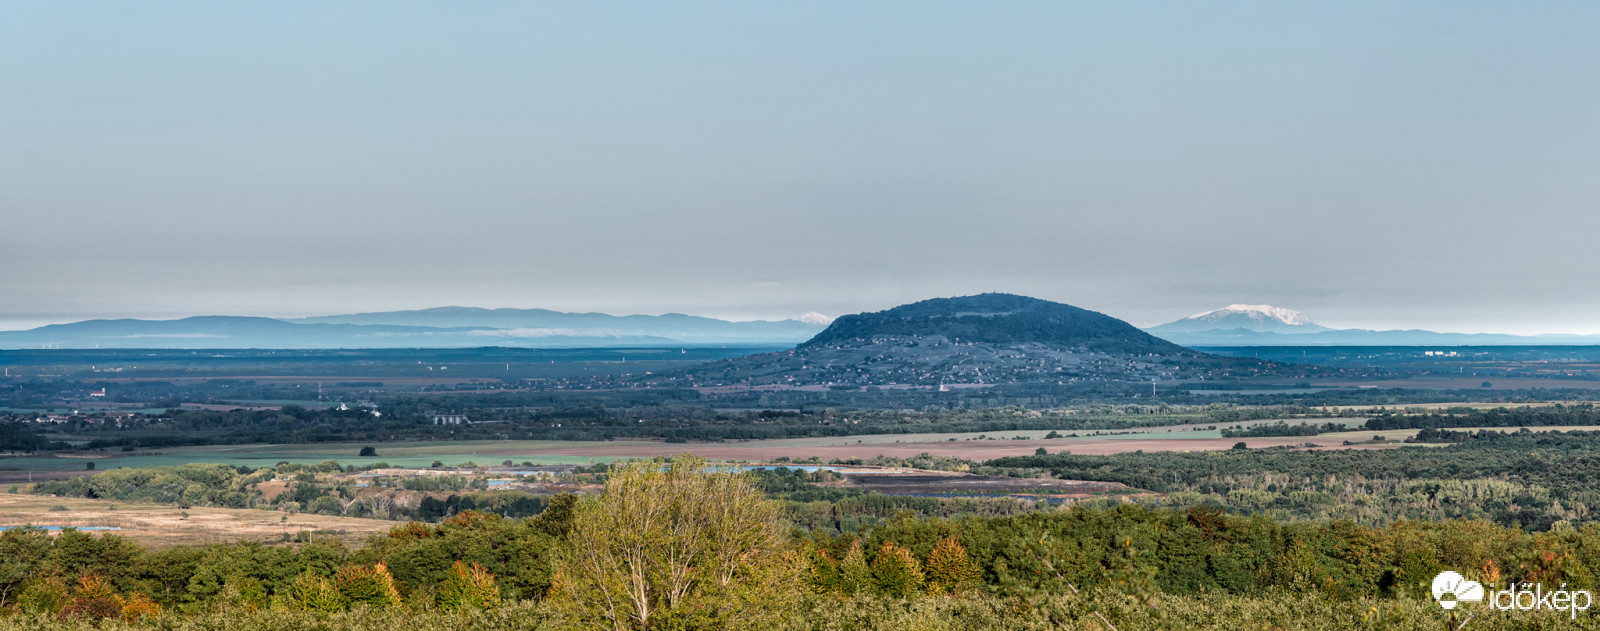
(1261, 318)
(1286, 316)
(815, 318)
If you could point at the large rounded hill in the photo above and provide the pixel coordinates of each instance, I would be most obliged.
(997, 319)
(968, 341)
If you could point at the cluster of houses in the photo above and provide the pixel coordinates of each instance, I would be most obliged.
(114, 418)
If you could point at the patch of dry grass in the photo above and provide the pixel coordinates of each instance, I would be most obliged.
(161, 525)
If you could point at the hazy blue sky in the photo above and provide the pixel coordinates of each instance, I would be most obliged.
(1384, 164)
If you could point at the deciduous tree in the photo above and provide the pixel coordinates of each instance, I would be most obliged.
(677, 544)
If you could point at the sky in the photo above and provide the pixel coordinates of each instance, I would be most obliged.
(1427, 164)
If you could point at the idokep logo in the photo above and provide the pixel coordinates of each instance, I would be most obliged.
(1451, 588)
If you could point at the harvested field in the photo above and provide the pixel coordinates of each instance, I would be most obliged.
(978, 450)
(18, 476)
(163, 525)
(970, 446)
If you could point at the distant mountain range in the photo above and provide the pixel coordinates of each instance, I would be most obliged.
(444, 327)
(466, 327)
(1266, 325)
(972, 340)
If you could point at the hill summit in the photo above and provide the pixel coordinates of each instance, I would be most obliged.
(986, 339)
(995, 319)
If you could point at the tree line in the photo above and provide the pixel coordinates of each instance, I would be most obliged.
(681, 545)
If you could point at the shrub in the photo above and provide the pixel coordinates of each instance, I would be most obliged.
(895, 571)
(411, 530)
(949, 569)
(372, 586)
(93, 599)
(847, 576)
(43, 596)
(91, 586)
(314, 592)
(468, 587)
(138, 606)
(92, 609)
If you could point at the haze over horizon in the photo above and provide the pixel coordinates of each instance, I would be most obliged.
(811, 317)
(1429, 165)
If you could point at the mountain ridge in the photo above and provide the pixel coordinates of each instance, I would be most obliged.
(1264, 318)
(444, 327)
(1266, 325)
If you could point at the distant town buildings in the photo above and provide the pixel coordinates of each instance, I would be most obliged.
(450, 419)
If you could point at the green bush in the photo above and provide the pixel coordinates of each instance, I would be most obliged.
(469, 587)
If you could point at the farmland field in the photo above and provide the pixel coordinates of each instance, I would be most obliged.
(163, 525)
(404, 454)
(970, 446)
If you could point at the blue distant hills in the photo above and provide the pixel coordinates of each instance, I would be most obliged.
(444, 327)
(471, 327)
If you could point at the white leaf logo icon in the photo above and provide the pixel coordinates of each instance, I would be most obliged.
(1451, 587)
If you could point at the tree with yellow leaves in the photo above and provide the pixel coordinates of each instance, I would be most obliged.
(677, 544)
(372, 586)
(896, 571)
(469, 586)
(949, 569)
